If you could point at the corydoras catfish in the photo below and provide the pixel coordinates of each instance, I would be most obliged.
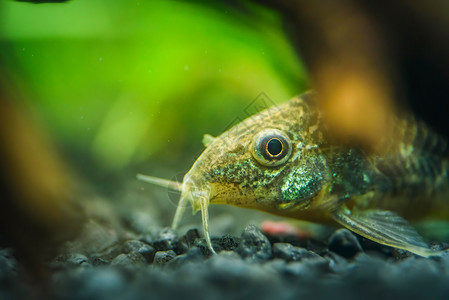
(284, 161)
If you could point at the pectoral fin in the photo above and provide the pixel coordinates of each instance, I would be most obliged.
(385, 227)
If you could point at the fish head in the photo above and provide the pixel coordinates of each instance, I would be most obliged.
(271, 161)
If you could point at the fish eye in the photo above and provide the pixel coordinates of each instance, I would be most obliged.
(271, 147)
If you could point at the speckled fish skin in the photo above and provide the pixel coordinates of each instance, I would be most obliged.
(236, 178)
(327, 182)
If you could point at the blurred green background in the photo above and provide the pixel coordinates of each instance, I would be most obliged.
(131, 86)
(126, 87)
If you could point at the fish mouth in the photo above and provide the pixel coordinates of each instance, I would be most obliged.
(198, 193)
(194, 191)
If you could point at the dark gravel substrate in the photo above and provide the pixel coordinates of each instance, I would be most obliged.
(254, 265)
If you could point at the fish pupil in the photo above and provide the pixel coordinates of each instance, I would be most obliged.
(271, 148)
(274, 147)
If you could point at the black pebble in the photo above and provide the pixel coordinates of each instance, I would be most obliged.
(226, 242)
(254, 245)
(191, 237)
(204, 248)
(128, 259)
(314, 267)
(77, 260)
(344, 243)
(193, 255)
(165, 240)
(162, 257)
(135, 246)
(98, 261)
(291, 253)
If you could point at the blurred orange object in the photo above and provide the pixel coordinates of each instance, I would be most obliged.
(284, 228)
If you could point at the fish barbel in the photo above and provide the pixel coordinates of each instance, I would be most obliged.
(284, 161)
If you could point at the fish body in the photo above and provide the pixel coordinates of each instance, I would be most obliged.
(284, 161)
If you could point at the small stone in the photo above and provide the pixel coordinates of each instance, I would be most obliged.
(275, 265)
(163, 245)
(316, 246)
(162, 257)
(132, 246)
(105, 257)
(77, 260)
(234, 272)
(254, 244)
(344, 243)
(193, 255)
(291, 253)
(227, 264)
(135, 246)
(130, 259)
(121, 259)
(98, 261)
(180, 247)
(148, 253)
(309, 268)
(167, 240)
(226, 243)
(191, 237)
(338, 264)
(204, 248)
